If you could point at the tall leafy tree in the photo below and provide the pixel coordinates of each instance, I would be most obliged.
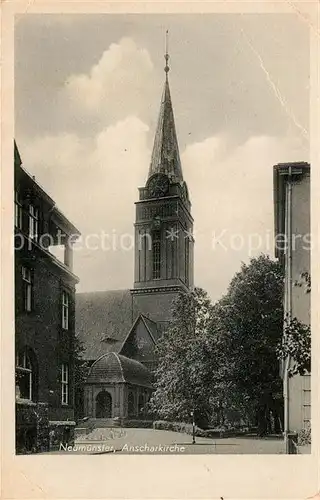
(182, 375)
(251, 317)
(222, 358)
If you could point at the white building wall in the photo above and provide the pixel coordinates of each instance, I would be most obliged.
(300, 386)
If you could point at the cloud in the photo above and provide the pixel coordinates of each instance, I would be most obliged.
(95, 182)
(232, 202)
(125, 70)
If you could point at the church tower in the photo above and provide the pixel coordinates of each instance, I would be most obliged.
(163, 228)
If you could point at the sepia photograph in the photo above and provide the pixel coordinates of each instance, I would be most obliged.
(161, 234)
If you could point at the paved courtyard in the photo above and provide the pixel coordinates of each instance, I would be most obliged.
(118, 440)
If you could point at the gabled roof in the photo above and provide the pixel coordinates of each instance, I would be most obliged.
(152, 328)
(165, 155)
(115, 368)
(103, 320)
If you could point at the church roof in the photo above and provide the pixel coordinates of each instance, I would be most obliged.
(165, 155)
(152, 328)
(115, 368)
(103, 320)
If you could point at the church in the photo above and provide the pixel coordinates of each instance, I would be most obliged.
(120, 328)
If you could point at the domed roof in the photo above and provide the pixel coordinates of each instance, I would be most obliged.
(115, 368)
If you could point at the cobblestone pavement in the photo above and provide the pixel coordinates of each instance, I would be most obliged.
(118, 440)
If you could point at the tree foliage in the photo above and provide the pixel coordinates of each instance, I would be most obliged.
(81, 370)
(251, 317)
(81, 366)
(296, 341)
(223, 357)
(182, 373)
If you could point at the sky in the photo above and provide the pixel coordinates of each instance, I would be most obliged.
(87, 98)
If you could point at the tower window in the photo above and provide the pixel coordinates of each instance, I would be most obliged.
(156, 254)
(186, 268)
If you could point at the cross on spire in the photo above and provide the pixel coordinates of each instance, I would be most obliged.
(166, 68)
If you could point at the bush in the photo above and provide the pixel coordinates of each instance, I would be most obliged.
(186, 428)
(183, 427)
(216, 432)
(142, 424)
(304, 437)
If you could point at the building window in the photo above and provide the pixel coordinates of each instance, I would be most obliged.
(33, 222)
(18, 210)
(27, 288)
(64, 384)
(65, 310)
(24, 375)
(156, 254)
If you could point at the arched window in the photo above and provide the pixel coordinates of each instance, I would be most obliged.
(104, 405)
(141, 403)
(156, 254)
(26, 375)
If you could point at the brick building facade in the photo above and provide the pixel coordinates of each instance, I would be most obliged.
(44, 316)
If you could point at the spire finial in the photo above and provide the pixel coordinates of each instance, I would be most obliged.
(167, 54)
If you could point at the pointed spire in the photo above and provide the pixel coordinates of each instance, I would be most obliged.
(165, 155)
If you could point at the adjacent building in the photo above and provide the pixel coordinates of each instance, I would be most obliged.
(292, 229)
(120, 329)
(44, 316)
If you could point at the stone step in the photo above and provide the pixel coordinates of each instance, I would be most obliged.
(94, 423)
(104, 422)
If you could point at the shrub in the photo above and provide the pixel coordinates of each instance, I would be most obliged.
(223, 432)
(142, 424)
(216, 432)
(186, 428)
(183, 427)
(304, 436)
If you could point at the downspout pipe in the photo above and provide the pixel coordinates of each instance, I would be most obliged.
(288, 306)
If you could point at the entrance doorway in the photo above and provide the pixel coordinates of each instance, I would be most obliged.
(104, 405)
